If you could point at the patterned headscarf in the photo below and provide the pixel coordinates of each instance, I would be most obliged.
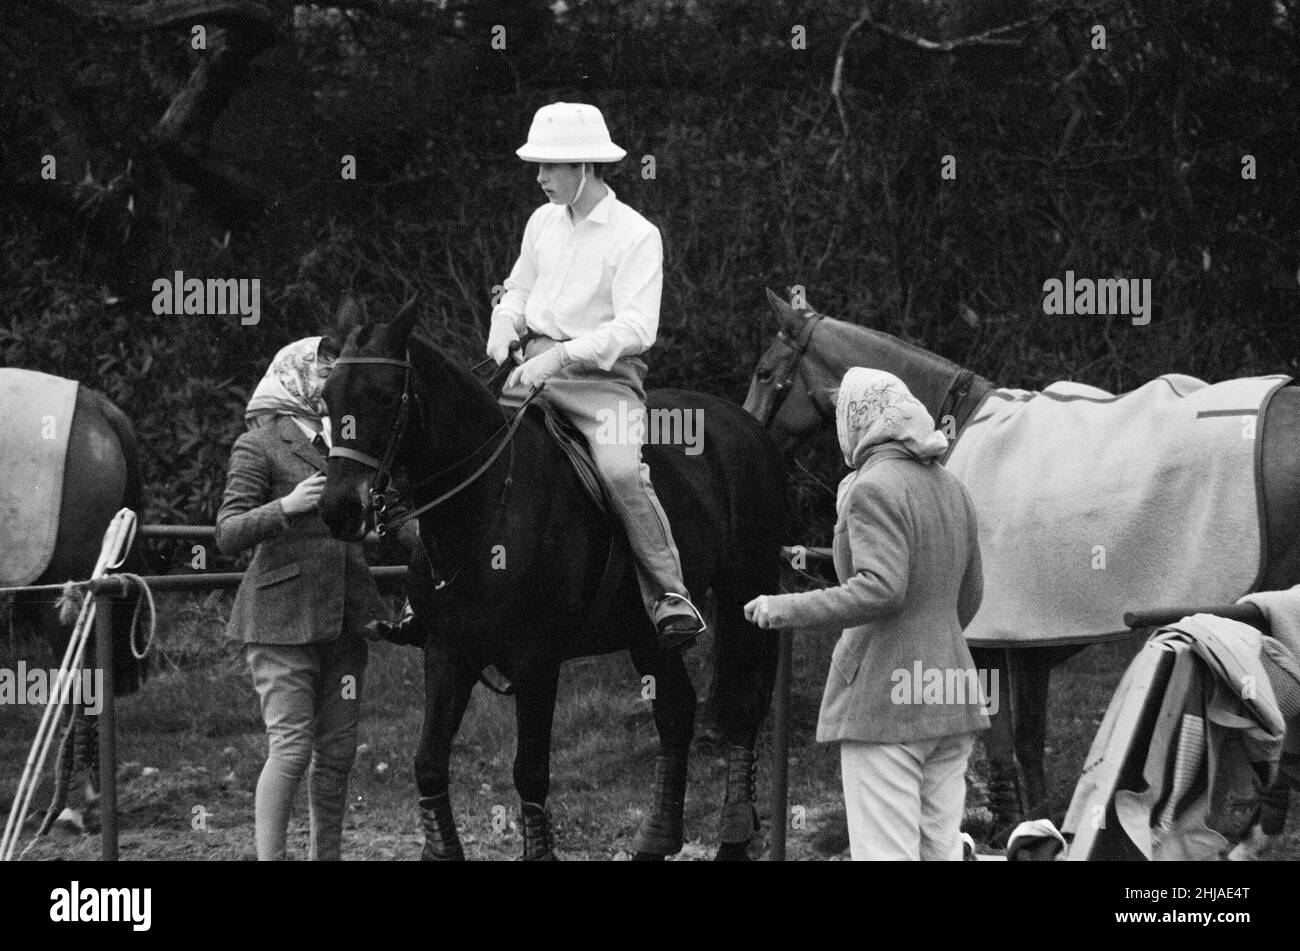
(875, 408)
(293, 383)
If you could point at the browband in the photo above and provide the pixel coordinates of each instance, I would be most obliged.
(360, 457)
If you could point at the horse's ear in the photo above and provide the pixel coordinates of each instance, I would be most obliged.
(400, 327)
(347, 317)
(779, 307)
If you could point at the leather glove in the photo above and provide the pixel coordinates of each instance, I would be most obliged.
(500, 337)
(533, 373)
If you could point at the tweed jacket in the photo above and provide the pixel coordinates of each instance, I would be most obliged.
(302, 586)
(907, 556)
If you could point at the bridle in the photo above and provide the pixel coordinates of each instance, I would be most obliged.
(958, 389)
(798, 346)
(380, 502)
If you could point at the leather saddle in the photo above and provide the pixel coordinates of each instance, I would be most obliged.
(619, 559)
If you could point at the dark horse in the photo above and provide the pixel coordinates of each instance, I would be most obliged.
(101, 475)
(524, 550)
(789, 393)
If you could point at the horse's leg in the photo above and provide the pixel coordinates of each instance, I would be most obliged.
(534, 716)
(1031, 673)
(1005, 800)
(1032, 679)
(661, 831)
(447, 687)
(746, 661)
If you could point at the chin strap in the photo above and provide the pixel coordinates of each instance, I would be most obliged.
(582, 183)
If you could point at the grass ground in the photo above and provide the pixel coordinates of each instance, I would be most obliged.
(191, 744)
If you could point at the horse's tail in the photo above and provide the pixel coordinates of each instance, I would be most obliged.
(128, 673)
(133, 497)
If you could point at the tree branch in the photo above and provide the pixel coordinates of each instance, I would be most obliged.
(160, 14)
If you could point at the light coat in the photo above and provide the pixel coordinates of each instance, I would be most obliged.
(907, 555)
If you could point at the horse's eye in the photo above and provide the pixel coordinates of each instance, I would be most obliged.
(764, 374)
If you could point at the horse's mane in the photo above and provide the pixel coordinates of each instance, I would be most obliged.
(428, 348)
(869, 336)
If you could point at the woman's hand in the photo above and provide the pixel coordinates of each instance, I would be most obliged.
(756, 613)
(305, 496)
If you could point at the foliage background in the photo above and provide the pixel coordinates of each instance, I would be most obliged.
(1123, 161)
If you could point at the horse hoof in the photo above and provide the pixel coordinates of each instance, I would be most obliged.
(647, 857)
(732, 852)
(1254, 847)
(69, 822)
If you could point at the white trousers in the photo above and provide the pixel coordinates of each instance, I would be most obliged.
(905, 800)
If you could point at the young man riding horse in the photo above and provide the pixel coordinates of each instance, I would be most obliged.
(582, 305)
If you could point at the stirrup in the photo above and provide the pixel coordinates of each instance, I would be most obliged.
(672, 595)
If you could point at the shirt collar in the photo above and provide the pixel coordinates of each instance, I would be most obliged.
(600, 214)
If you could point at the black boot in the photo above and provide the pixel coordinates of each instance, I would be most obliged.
(441, 843)
(677, 622)
(660, 832)
(739, 819)
(408, 630)
(538, 846)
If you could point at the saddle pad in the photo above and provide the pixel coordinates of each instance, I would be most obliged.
(35, 420)
(575, 448)
(1091, 505)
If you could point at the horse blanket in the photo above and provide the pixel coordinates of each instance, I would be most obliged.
(35, 420)
(1091, 504)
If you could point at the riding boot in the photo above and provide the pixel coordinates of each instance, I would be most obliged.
(408, 630)
(538, 846)
(678, 624)
(660, 832)
(441, 843)
(739, 819)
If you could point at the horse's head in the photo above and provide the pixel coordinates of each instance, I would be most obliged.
(365, 393)
(790, 390)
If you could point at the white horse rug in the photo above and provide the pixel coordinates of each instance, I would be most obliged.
(1092, 504)
(35, 420)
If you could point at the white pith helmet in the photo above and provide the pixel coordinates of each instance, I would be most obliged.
(568, 132)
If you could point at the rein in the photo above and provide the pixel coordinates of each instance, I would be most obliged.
(379, 502)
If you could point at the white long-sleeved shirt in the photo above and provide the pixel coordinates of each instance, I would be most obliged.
(596, 284)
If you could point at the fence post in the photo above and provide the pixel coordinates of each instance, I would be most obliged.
(780, 747)
(107, 729)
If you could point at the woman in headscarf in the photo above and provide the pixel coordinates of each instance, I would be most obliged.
(303, 602)
(902, 696)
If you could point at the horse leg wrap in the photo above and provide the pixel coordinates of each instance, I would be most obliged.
(441, 843)
(739, 819)
(538, 846)
(660, 832)
(1275, 800)
(1005, 800)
